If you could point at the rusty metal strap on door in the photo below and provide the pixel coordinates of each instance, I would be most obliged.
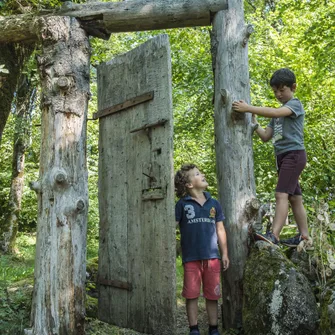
(150, 125)
(124, 105)
(115, 283)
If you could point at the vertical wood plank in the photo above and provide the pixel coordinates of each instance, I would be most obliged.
(137, 235)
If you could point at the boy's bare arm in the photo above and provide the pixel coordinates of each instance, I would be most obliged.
(242, 107)
(222, 239)
(264, 134)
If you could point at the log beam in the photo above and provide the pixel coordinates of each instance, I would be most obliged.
(102, 19)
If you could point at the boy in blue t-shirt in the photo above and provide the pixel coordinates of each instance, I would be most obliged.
(286, 130)
(200, 218)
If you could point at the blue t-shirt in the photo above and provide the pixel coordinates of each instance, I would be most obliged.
(288, 131)
(198, 228)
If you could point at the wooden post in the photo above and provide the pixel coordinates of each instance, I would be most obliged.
(234, 156)
(60, 272)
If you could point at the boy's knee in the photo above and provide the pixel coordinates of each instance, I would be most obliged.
(281, 196)
(295, 199)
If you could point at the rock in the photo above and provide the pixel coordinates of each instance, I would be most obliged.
(278, 299)
(305, 263)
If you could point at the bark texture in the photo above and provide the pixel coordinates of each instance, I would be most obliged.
(234, 156)
(59, 291)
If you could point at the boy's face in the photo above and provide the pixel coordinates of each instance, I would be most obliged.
(284, 93)
(196, 179)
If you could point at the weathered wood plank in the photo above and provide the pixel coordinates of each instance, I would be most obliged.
(19, 28)
(137, 192)
(143, 8)
(102, 19)
(163, 14)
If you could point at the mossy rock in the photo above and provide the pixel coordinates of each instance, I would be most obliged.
(278, 299)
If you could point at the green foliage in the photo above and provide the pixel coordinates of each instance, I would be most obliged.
(16, 284)
(298, 35)
(288, 33)
(323, 234)
(12, 7)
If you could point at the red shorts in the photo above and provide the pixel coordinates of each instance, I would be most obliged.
(290, 165)
(206, 272)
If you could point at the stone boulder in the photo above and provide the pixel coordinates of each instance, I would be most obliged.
(278, 299)
(306, 263)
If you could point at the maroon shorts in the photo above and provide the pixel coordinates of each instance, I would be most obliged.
(290, 165)
(206, 272)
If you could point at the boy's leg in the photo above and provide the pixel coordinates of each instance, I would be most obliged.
(281, 213)
(299, 213)
(192, 311)
(290, 165)
(212, 312)
(191, 289)
(212, 289)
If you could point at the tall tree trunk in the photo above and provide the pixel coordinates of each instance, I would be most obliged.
(59, 291)
(234, 156)
(25, 98)
(13, 57)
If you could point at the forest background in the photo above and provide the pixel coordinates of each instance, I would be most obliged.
(288, 33)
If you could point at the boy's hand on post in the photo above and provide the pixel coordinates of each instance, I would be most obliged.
(254, 122)
(240, 106)
(254, 119)
(225, 262)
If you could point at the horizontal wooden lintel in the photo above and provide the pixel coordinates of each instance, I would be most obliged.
(115, 283)
(124, 105)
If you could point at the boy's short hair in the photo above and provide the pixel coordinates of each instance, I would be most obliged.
(181, 179)
(283, 77)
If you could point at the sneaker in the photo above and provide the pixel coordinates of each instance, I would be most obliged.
(294, 241)
(214, 332)
(268, 237)
(194, 332)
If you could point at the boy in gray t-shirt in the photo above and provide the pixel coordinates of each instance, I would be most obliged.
(286, 130)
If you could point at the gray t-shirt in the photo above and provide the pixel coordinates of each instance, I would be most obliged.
(288, 131)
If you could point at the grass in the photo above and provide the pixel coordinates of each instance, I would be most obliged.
(20, 265)
(16, 286)
(16, 280)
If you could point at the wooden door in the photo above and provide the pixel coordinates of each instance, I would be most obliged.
(136, 272)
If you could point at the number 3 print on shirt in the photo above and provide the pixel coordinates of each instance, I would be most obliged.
(189, 209)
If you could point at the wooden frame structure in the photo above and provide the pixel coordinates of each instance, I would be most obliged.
(59, 206)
